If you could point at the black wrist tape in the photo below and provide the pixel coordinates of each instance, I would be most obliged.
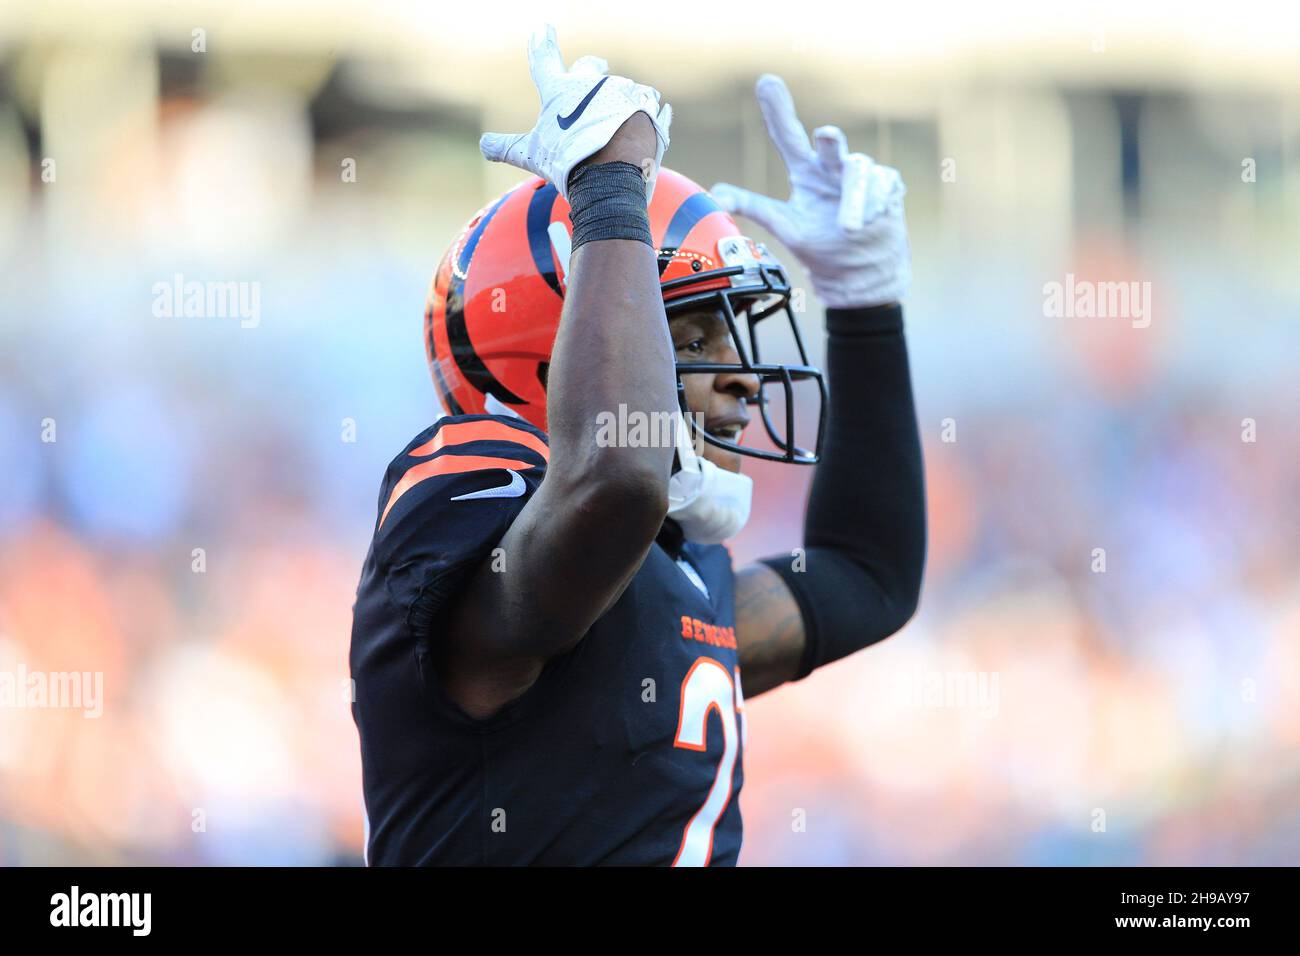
(607, 201)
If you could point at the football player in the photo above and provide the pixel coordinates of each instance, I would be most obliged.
(549, 637)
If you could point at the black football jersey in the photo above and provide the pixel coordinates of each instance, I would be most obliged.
(626, 751)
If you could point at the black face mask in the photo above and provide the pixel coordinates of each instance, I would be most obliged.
(760, 293)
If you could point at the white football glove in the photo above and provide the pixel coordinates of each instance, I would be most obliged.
(582, 108)
(844, 218)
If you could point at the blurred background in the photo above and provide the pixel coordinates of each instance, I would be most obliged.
(1105, 668)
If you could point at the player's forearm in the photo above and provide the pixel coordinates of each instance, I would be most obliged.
(864, 530)
(613, 361)
(873, 428)
(613, 354)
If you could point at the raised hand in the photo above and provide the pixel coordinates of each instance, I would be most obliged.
(844, 218)
(582, 108)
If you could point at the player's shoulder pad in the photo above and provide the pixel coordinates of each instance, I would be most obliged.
(458, 462)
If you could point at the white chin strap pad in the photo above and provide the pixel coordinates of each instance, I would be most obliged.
(710, 503)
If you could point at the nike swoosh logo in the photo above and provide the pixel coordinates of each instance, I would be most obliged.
(516, 488)
(567, 121)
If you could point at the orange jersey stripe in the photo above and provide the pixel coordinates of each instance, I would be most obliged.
(458, 433)
(448, 465)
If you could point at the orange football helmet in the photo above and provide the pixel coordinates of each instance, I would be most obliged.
(494, 305)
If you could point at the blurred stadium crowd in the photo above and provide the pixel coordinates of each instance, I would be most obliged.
(1106, 664)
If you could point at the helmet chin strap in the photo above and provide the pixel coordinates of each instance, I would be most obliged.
(710, 503)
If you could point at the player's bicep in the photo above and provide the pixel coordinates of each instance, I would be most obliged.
(769, 629)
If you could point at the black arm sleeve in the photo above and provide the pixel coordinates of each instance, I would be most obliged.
(864, 531)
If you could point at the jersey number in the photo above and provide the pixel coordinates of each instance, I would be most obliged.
(708, 686)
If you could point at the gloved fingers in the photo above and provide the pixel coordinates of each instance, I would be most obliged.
(767, 212)
(783, 126)
(832, 150)
(495, 146)
(855, 193)
(590, 66)
(545, 62)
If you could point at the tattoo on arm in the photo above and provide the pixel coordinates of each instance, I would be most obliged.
(769, 629)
